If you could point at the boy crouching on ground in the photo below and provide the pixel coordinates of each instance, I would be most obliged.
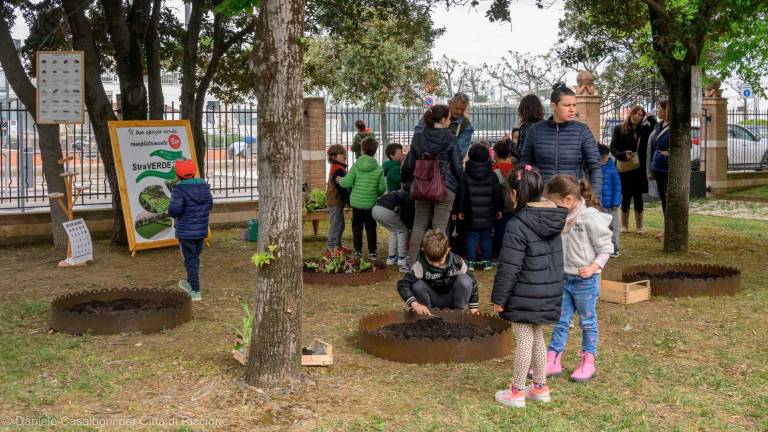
(438, 279)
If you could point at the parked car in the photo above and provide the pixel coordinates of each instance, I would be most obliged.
(242, 149)
(746, 150)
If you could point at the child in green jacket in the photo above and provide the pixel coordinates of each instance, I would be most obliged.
(392, 165)
(366, 179)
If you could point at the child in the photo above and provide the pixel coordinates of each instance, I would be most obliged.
(366, 179)
(611, 195)
(528, 287)
(336, 197)
(391, 166)
(505, 162)
(481, 205)
(391, 211)
(586, 248)
(190, 205)
(438, 279)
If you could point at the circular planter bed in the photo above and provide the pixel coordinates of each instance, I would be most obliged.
(120, 310)
(339, 269)
(454, 336)
(684, 280)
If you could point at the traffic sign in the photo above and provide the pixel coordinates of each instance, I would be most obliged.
(746, 92)
(428, 101)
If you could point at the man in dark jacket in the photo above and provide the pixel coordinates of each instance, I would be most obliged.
(190, 205)
(562, 145)
(439, 279)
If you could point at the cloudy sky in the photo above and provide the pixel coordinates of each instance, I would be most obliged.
(469, 35)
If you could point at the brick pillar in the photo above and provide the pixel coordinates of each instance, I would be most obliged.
(313, 148)
(716, 150)
(588, 103)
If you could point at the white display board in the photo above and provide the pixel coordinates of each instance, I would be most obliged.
(145, 153)
(79, 242)
(60, 90)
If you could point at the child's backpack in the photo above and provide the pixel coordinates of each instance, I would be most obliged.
(428, 183)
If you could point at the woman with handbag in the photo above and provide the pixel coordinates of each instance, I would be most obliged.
(629, 145)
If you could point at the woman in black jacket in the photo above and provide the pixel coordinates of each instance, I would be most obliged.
(436, 140)
(530, 111)
(629, 145)
(528, 288)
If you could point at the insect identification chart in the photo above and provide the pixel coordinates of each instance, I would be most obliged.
(79, 241)
(60, 89)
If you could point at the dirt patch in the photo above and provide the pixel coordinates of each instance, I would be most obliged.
(676, 275)
(122, 305)
(435, 328)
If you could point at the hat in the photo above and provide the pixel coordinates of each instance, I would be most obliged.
(185, 168)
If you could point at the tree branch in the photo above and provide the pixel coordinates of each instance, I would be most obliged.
(659, 10)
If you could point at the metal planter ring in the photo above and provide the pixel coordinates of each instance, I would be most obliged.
(423, 350)
(686, 280)
(381, 274)
(170, 308)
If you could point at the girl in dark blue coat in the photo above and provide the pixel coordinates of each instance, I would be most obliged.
(190, 205)
(528, 287)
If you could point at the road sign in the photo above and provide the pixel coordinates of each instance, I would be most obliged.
(746, 92)
(428, 101)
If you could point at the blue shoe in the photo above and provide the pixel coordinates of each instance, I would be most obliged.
(196, 296)
(391, 260)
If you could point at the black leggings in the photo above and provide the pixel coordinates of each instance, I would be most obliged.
(661, 184)
(627, 196)
(363, 218)
(632, 183)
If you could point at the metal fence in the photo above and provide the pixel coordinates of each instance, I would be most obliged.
(490, 124)
(747, 140)
(230, 158)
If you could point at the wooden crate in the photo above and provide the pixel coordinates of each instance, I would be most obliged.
(625, 293)
(323, 355)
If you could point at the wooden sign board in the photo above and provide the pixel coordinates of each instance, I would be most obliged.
(60, 87)
(145, 154)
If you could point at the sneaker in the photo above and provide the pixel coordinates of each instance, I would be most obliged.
(586, 370)
(471, 266)
(615, 254)
(196, 296)
(487, 265)
(357, 254)
(554, 368)
(402, 261)
(538, 393)
(511, 397)
(405, 268)
(391, 260)
(373, 257)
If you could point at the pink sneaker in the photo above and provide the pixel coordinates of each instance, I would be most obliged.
(538, 394)
(585, 371)
(554, 368)
(511, 397)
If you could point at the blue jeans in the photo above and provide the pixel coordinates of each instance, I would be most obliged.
(191, 250)
(482, 237)
(614, 228)
(498, 232)
(580, 295)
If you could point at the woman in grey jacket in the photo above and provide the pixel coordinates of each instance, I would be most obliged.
(562, 145)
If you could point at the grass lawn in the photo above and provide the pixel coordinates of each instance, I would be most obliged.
(758, 192)
(667, 364)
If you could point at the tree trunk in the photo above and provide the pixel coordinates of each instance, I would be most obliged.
(189, 68)
(383, 124)
(679, 181)
(275, 354)
(99, 108)
(152, 53)
(50, 148)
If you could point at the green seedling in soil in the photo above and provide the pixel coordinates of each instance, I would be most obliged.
(261, 259)
(243, 333)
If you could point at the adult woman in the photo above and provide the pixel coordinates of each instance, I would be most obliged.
(629, 146)
(362, 133)
(530, 111)
(659, 155)
(562, 145)
(437, 140)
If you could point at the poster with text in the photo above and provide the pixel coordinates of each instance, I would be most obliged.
(60, 88)
(80, 243)
(145, 153)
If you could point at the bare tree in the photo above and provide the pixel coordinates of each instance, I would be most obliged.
(523, 73)
(476, 82)
(447, 68)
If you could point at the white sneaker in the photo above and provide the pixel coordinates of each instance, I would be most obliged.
(391, 260)
(405, 268)
(402, 261)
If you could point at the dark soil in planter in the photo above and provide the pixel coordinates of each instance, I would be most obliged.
(433, 328)
(676, 275)
(123, 305)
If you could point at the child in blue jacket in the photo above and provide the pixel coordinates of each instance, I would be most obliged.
(190, 205)
(611, 192)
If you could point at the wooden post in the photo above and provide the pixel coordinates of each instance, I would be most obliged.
(69, 179)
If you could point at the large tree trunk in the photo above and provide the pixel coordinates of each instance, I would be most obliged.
(384, 124)
(99, 108)
(189, 75)
(679, 182)
(50, 148)
(152, 53)
(275, 353)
